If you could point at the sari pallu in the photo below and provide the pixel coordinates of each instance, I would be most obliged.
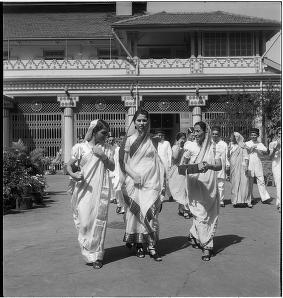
(143, 201)
(90, 202)
(203, 197)
(239, 179)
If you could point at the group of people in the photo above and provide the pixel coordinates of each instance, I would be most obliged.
(143, 171)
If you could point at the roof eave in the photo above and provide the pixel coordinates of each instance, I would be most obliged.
(202, 25)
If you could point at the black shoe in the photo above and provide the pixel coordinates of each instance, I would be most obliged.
(154, 254)
(187, 214)
(222, 204)
(160, 209)
(268, 201)
(207, 254)
(140, 251)
(192, 241)
(97, 264)
(129, 245)
(120, 210)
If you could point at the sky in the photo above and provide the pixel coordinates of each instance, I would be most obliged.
(263, 9)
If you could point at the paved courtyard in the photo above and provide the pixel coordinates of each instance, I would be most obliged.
(42, 256)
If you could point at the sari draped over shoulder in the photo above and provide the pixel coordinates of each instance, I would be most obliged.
(90, 202)
(142, 201)
(203, 196)
(239, 179)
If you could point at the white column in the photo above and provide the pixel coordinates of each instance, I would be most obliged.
(68, 103)
(6, 130)
(68, 133)
(196, 114)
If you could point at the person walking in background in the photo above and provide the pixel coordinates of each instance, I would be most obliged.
(255, 149)
(90, 199)
(110, 177)
(116, 179)
(190, 138)
(239, 162)
(177, 184)
(142, 186)
(203, 161)
(275, 156)
(221, 147)
(165, 153)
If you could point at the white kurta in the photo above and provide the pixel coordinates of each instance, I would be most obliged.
(255, 165)
(256, 170)
(222, 148)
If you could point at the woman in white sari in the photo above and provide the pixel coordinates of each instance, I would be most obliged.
(143, 182)
(202, 189)
(90, 194)
(239, 163)
(177, 182)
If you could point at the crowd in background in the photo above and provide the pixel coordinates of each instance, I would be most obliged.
(139, 171)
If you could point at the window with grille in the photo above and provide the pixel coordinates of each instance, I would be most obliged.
(241, 43)
(53, 54)
(107, 54)
(215, 44)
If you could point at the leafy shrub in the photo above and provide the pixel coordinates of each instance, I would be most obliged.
(22, 173)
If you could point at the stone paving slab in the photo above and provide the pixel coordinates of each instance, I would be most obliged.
(42, 256)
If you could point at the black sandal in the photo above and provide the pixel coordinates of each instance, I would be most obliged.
(140, 251)
(207, 254)
(129, 245)
(97, 264)
(154, 254)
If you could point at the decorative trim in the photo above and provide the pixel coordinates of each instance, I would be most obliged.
(196, 100)
(68, 102)
(144, 85)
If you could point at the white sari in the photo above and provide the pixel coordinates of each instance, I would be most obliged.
(203, 195)
(90, 201)
(143, 201)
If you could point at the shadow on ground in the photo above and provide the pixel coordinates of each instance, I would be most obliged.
(116, 253)
(224, 241)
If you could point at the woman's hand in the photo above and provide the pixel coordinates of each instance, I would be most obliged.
(137, 179)
(99, 152)
(205, 167)
(78, 176)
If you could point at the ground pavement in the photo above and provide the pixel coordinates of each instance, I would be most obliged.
(42, 256)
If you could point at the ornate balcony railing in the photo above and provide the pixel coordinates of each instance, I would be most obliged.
(118, 67)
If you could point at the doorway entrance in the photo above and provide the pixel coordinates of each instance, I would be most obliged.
(168, 122)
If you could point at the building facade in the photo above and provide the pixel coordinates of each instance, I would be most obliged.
(67, 65)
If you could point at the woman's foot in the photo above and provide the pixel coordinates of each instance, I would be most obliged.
(120, 210)
(192, 241)
(129, 245)
(97, 264)
(206, 255)
(250, 205)
(154, 254)
(140, 251)
(222, 204)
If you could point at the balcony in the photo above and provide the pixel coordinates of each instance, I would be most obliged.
(52, 69)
